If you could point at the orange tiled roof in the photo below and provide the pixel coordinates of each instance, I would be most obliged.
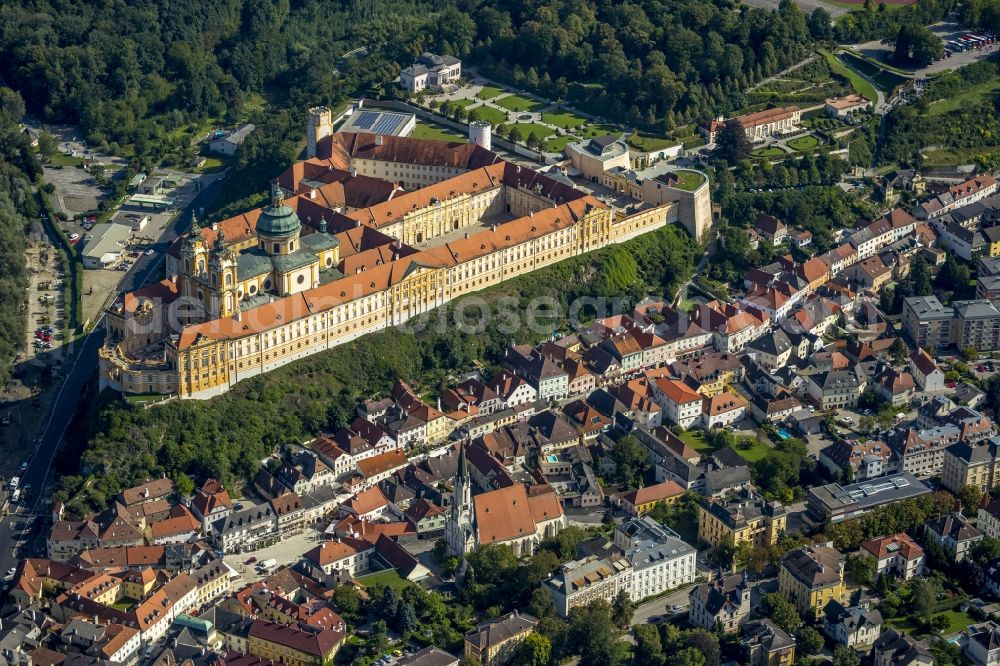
(677, 391)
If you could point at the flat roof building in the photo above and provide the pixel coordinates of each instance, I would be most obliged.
(105, 246)
(838, 503)
(388, 123)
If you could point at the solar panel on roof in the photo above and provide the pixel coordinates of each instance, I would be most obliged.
(386, 124)
(366, 119)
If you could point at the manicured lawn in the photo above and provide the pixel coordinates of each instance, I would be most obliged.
(696, 440)
(590, 131)
(558, 144)
(489, 92)
(758, 451)
(518, 103)
(211, 165)
(564, 119)
(649, 142)
(143, 398)
(807, 142)
(957, 621)
(540, 131)
(464, 102)
(490, 115)
(424, 131)
(126, 604)
(770, 151)
(388, 577)
(861, 85)
(688, 180)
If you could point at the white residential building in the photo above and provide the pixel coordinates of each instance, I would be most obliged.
(660, 560)
(582, 581)
(680, 403)
(897, 555)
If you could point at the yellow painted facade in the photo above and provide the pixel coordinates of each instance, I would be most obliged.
(283, 654)
(761, 530)
(207, 357)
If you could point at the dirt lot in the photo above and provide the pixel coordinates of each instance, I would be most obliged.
(27, 398)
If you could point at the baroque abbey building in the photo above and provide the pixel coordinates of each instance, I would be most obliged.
(366, 233)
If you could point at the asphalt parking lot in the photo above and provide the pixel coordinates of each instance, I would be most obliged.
(946, 31)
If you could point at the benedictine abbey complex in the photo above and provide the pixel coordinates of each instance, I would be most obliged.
(365, 233)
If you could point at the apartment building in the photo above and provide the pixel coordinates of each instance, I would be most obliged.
(973, 465)
(965, 324)
(744, 517)
(291, 645)
(926, 322)
(680, 403)
(835, 388)
(765, 644)
(579, 582)
(660, 560)
(493, 643)
(983, 646)
(954, 533)
(988, 518)
(811, 577)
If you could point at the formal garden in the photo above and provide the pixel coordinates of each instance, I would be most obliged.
(535, 123)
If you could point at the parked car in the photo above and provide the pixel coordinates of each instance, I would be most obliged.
(250, 561)
(74, 237)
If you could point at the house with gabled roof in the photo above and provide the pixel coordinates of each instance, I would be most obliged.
(723, 602)
(896, 555)
(928, 376)
(954, 533)
(771, 228)
(681, 404)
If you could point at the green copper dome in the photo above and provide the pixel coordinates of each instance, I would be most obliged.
(278, 219)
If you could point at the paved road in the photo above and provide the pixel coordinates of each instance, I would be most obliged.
(40, 464)
(658, 607)
(805, 5)
(12, 532)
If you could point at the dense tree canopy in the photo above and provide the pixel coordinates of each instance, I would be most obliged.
(18, 167)
(650, 63)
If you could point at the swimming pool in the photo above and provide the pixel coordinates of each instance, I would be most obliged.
(552, 458)
(784, 434)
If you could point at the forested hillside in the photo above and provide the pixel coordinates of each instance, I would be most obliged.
(137, 75)
(134, 73)
(18, 167)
